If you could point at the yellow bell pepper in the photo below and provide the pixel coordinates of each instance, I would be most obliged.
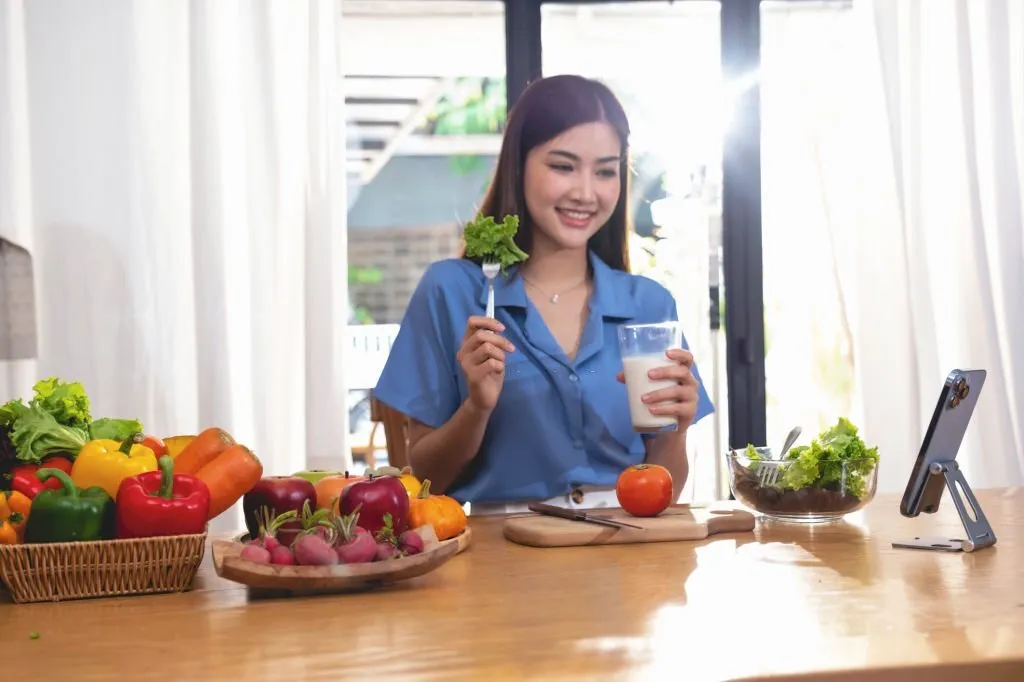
(412, 484)
(409, 481)
(105, 463)
(175, 444)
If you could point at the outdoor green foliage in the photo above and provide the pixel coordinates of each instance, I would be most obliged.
(369, 276)
(475, 106)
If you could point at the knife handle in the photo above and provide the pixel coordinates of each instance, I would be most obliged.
(552, 510)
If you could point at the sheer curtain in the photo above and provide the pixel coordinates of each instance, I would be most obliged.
(177, 171)
(894, 166)
(952, 76)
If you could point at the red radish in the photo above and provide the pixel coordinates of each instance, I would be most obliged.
(360, 550)
(352, 544)
(385, 550)
(269, 525)
(325, 533)
(281, 555)
(255, 553)
(410, 542)
(312, 550)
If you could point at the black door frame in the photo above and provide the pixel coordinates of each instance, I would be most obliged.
(742, 265)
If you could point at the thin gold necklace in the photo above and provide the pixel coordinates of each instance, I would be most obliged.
(554, 297)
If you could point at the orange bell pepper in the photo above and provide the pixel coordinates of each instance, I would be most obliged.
(14, 508)
(9, 534)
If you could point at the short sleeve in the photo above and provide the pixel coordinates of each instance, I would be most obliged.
(419, 378)
(669, 311)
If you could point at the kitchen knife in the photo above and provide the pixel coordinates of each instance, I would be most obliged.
(577, 515)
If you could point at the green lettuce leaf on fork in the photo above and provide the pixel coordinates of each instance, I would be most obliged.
(493, 242)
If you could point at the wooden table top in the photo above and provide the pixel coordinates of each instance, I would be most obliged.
(784, 599)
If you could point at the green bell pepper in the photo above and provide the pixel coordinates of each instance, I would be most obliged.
(69, 514)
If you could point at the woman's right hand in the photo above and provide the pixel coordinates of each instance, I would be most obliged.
(482, 358)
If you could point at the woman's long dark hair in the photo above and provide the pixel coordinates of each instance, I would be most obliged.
(546, 109)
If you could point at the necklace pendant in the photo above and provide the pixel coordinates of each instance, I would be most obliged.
(554, 298)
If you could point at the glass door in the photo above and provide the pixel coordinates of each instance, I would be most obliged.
(662, 59)
(423, 133)
(817, 171)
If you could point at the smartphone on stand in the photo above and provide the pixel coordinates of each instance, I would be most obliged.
(942, 440)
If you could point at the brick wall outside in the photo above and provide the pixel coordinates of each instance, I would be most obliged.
(402, 255)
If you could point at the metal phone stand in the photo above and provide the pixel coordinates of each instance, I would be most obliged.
(979, 532)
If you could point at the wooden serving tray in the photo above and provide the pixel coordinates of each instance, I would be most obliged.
(678, 522)
(304, 580)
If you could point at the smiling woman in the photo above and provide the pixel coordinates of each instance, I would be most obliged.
(530, 404)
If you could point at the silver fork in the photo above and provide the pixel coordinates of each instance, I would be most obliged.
(490, 272)
(768, 472)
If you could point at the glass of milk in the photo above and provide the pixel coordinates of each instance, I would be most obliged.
(643, 348)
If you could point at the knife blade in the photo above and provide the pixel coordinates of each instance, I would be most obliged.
(577, 515)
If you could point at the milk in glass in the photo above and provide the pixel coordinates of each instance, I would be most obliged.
(635, 371)
(644, 347)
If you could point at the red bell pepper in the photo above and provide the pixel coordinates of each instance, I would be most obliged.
(157, 503)
(25, 481)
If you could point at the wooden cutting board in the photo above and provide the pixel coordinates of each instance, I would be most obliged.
(679, 522)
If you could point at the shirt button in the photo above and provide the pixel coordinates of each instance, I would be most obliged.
(573, 378)
(578, 444)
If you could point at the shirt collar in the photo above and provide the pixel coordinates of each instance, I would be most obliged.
(611, 293)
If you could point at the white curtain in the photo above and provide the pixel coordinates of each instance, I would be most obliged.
(894, 246)
(942, 268)
(176, 169)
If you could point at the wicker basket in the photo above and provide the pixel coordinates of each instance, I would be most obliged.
(109, 568)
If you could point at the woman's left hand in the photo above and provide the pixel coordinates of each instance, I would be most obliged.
(679, 401)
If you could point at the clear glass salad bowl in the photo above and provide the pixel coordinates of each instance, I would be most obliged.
(798, 490)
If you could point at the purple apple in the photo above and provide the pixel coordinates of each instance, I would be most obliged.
(281, 494)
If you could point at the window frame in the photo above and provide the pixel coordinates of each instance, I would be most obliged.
(742, 249)
(742, 243)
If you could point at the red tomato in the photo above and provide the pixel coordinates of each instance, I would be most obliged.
(644, 489)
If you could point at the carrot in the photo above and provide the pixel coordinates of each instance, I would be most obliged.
(230, 475)
(203, 450)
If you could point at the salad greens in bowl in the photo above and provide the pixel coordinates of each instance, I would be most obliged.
(832, 476)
